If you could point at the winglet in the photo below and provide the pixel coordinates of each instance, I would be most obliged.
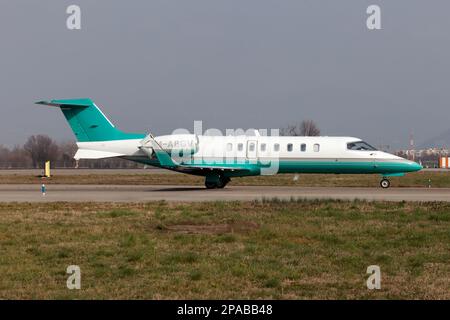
(165, 159)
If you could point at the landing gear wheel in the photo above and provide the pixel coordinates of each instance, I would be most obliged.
(210, 185)
(219, 182)
(222, 182)
(384, 183)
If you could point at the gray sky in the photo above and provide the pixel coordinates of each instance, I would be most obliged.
(162, 64)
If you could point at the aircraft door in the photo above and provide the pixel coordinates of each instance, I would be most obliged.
(373, 156)
(252, 147)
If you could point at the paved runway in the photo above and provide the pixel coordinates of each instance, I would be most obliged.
(78, 193)
(81, 172)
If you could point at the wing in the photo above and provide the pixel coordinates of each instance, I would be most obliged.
(166, 161)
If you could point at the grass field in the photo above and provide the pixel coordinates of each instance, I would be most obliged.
(269, 249)
(417, 179)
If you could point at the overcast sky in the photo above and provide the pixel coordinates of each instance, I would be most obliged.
(160, 65)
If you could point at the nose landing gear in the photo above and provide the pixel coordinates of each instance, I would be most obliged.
(385, 183)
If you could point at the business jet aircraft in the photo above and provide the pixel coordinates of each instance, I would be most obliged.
(219, 158)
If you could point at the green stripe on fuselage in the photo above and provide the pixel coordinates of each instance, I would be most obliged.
(353, 166)
(305, 166)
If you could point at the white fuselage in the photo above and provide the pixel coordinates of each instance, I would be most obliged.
(292, 154)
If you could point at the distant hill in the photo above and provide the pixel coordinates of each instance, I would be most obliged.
(442, 140)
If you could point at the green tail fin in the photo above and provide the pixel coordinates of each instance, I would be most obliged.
(88, 122)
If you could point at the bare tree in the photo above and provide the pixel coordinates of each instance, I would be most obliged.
(305, 128)
(18, 158)
(41, 148)
(310, 128)
(67, 151)
(4, 155)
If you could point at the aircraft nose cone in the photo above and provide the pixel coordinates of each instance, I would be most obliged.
(414, 166)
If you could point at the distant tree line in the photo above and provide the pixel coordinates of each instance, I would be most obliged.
(41, 148)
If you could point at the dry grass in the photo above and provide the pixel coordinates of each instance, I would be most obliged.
(271, 249)
(417, 179)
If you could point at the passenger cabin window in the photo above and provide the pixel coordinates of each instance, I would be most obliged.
(263, 147)
(229, 147)
(303, 147)
(360, 145)
(276, 147)
(240, 147)
(289, 147)
(316, 147)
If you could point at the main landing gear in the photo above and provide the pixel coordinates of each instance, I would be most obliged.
(219, 182)
(384, 183)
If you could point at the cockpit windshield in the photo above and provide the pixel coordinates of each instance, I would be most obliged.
(360, 145)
